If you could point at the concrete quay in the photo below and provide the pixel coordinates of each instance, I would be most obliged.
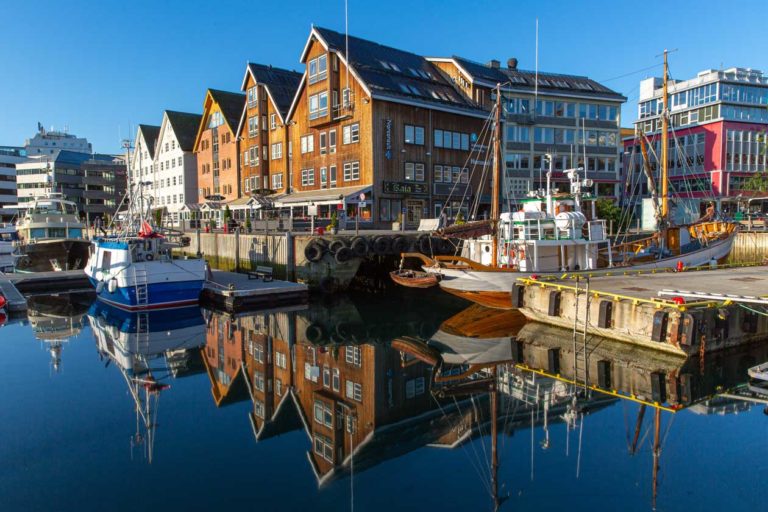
(638, 308)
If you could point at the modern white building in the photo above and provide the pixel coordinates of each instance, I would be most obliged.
(9, 157)
(48, 142)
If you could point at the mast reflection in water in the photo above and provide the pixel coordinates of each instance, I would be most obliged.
(149, 349)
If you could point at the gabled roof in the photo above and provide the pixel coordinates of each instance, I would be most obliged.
(520, 79)
(150, 133)
(394, 75)
(281, 84)
(231, 105)
(185, 127)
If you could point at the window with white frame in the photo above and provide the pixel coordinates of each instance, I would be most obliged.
(253, 155)
(335, 380)
(414, 171)
(307, 143)
(318, 69)
(351, 171)
(324, 447)
(277, 151)
(353, 355)
(253, 126)
(323, 414)
(281, 360)
(350, 133)
(277, 181)
(318, 105)
(323, 177)
(307, 177)
(273, 121)
(332, 175)
(332, 141)
(252, 96)
(354, 391)
(323, 143)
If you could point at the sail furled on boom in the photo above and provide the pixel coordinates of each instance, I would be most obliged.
(474, 229)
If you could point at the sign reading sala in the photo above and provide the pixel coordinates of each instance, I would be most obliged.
(405, 187)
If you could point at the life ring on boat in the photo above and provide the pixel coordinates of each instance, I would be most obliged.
(149, 256)
(112, 285)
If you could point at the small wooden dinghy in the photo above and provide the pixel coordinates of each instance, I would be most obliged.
(415, 278)
(759, 372)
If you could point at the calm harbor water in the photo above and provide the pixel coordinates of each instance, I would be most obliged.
(313, 408)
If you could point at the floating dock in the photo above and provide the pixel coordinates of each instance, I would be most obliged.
(13, 285)
(236, 291)
(642, 308)
(15, 301)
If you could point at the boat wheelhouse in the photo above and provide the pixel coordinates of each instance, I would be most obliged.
(51, 236)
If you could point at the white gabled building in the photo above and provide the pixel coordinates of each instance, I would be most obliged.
(174, 182)
(143, 157)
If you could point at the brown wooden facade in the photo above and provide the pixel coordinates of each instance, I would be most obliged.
(395, 175)
(217, 151)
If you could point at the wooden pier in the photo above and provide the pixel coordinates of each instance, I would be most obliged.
(638, 308)
(236, 291)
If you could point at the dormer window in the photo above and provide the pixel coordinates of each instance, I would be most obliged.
(318, 69)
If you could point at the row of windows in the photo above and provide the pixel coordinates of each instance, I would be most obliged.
(169, 147)
(170, 199)
(451, 140)
(746, 150)
(524, 161)
(167, 182)
(328, 175)
(552, 108)
(548, 135)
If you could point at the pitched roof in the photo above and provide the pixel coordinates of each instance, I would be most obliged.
(396, 75)
(521, 79)
(185, 127)
(281, 84)
(150, 134)
(231, 104)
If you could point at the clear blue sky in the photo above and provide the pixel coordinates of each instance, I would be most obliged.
(101, 67)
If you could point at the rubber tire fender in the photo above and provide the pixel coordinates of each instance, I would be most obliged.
(359, 246)
(382, 245)
(400, 244)
(314, 252)
(344, 254)
(337, 244)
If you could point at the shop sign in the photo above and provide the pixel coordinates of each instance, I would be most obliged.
(388, 138)
(405, 187)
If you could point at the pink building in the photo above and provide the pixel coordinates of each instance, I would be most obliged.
(717, 132)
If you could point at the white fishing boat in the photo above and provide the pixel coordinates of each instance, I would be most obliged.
(552, 234)
(759, 372)
(51, 236)
(135, 268)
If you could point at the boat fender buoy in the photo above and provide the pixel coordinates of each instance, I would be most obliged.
(112, 285)
(99, 286)
(149, 257)
(3, 301)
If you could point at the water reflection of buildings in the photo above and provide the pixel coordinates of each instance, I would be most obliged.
(55, 319)
(149, 349)
(365, 389)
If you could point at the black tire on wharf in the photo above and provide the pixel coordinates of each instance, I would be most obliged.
(337, 244)
(359, 246)
(314, 333)
(322, 242)
(314, 251)
(382, 245)
(400, 244)
(344, 254)
(424, 245)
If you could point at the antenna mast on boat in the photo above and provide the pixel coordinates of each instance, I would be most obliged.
(496, 180)
(664, 147)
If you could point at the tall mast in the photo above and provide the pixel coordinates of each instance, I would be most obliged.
(664, 147)
(494, 439)
(496, 180)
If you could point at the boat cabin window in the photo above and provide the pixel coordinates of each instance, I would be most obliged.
(75, 233)
(106, 260)
(43, 208)
(9, 237)
(57, 232)
(37, 233)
